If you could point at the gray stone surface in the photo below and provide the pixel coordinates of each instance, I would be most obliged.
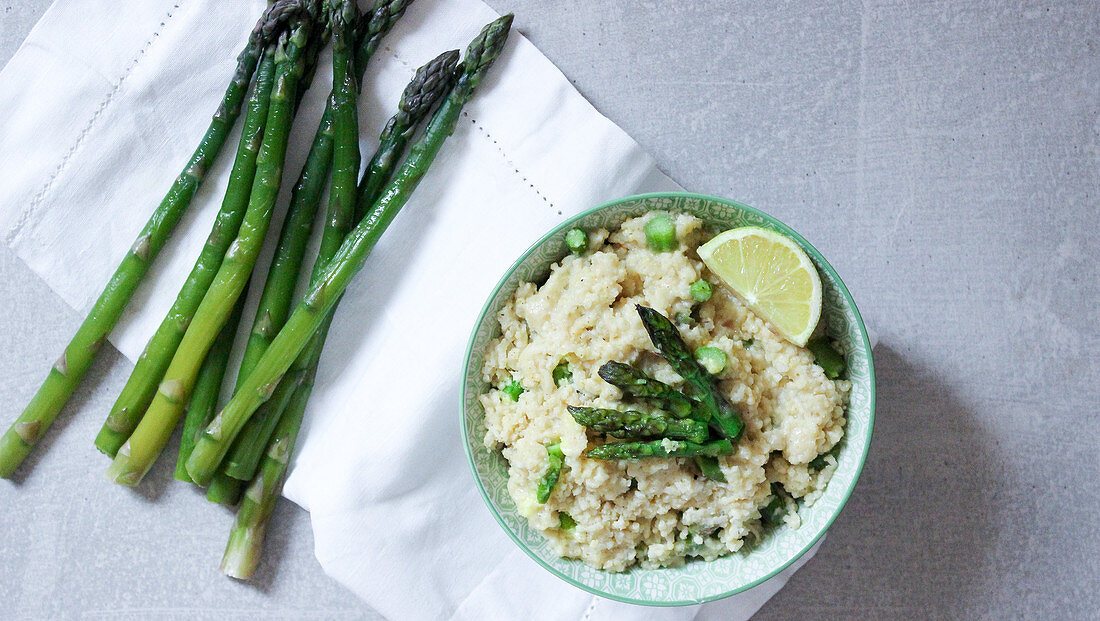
(943, 156)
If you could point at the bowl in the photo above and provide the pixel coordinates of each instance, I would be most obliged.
(696, 581)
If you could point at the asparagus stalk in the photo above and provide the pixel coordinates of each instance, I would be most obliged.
(342, 108)
(631, 424)
(724, 416)
(246, 538)
(224, 490)
(297, 226)
(208, 385)
(657, 448)
(346, 158)
(248, 449)
(245, 544)
(142, 384)
(311, 312)
(555, 459)
(274, 305)
(634, 383)
(69, 369)
(427, 86)
(148, 439)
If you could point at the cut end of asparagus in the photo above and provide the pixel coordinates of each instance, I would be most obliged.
(203, 461)
(121, 471)
(110, 440)
(224, 490)
(243, 551)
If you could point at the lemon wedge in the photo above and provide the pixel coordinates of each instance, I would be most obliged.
(773, 276)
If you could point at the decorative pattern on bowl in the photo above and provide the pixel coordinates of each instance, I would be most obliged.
(696, 581)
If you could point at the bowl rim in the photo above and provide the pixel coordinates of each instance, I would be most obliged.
(819, 260)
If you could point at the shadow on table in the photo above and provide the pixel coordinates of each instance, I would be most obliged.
(918, 536)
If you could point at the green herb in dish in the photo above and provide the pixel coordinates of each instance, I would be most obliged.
(700, 290)
(577, 241)
(562, 373)
(555, 461)
(660, 233)
(566, 521)
(513, 390)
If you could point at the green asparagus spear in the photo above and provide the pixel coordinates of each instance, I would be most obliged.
(274, 305)
(724, 416)
(139, 452)
(710, 468)
(318, 40)
(311, 312)
(245, 545)
(631, 424)
(66, 374)
(149, 369)
(282, 277)
(555, 461)
(428, 85)
(373, 25)
(208, 385)
(297, 227)
(656, 448)
(634, 383)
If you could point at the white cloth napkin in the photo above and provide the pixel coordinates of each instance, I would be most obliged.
(101, 112)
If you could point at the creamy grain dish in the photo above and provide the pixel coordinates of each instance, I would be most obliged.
(652, 512)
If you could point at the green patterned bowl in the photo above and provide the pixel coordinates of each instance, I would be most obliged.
(696, 581)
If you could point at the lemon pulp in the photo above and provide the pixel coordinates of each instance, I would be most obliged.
(772, 275)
